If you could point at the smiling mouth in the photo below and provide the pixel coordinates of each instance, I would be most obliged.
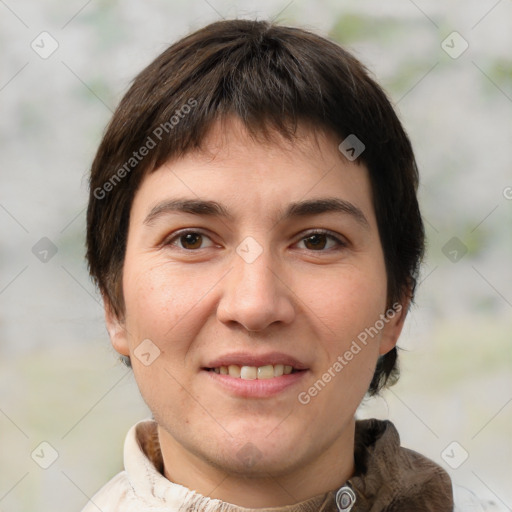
(268, 371)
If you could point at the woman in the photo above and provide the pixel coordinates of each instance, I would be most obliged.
(254, 230)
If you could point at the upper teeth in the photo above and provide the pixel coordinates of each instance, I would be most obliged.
(254, 372)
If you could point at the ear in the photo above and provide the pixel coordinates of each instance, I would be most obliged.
(394, 322)
(116, 329)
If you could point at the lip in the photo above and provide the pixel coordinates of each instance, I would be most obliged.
(251, 359)
(257, 388)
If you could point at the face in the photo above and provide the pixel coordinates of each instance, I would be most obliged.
(244, 263)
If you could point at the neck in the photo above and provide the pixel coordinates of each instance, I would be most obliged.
(312, 476)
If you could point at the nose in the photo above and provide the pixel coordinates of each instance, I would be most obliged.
(254, 295)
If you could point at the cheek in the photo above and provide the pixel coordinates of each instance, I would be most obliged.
(346, 306)
(346, 301)
(161, 306)
(347, 365)
(159, 297)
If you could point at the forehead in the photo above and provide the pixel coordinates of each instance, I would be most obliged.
(230, 139)
(265, 170)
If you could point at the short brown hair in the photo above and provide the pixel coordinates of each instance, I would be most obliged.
(270, 77)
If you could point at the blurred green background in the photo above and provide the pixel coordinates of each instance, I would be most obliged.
(60, 381)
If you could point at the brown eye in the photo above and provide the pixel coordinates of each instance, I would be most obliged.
(321, 242)
(191, 240)
(315, 242)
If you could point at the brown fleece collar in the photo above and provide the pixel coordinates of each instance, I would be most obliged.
(390, 478)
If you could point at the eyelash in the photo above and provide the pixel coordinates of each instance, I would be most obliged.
(328, 234)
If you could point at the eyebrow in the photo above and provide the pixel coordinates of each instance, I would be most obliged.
(193, 206)
(295, 209)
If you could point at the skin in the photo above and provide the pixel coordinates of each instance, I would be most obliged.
(308, 300)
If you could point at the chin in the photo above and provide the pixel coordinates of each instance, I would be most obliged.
(256, 460)
(261, 449)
